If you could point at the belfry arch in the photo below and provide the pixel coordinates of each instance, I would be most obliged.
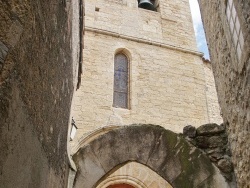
(164, 152)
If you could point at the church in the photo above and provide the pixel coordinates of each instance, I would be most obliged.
(142, 74)
(115, 94)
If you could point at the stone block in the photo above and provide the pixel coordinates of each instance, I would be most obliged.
(210, 129)
(225, 165)
(210, 142)
(189, 131)
(90, 167)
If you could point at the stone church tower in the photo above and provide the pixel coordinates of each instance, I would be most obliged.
(141, 66)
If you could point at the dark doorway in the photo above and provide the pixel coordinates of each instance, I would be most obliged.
(122, 185)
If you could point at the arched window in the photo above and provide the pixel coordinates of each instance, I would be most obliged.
(121, 82)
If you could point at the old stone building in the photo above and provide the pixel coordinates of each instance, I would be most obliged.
(143, 81)
(39, 60)
(165, 79)
(141, 66)
(227, 27)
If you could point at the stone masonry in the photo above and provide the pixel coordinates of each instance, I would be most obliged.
(214, 113)
(232, 76)
(168, 80)
(37, 79)
(168, 154)
(213, 141)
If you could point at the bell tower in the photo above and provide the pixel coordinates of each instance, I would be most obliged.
(140, 66)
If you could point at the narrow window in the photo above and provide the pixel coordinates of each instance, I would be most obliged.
(235, 29)
(121, 74)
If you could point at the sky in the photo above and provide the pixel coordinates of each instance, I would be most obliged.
(198, 28)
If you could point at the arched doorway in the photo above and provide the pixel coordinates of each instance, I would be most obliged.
(134, 174)
(166, 153)
(122, 185)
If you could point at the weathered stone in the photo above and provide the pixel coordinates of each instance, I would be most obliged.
(217, 141)
(229, 177)
(189, 131)
(202, 142)
(225, 165)
(216, 147)
(215, 150)
(210, 129)
(191, 140)
(231, 68)
(3, 53)
(36, 89)
(210, 142)
(216, 156)
(169, 155)
(89, 166)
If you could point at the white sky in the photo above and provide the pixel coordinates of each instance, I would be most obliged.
(198, 28)
(195, 12)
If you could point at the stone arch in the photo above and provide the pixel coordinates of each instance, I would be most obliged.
(166, 153)
(135, 174)
(124, 51)
(121, 180)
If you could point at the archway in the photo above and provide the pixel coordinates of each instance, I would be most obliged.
(166, 153)
(133, 174)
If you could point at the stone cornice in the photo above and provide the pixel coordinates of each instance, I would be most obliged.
(142, 40)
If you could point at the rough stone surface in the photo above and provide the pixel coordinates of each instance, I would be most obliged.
(225, 165)
(189, 131)
(232, 77)
(210, 129)
(170, 156)
(212, 140)
(3, 53)
(36, 86)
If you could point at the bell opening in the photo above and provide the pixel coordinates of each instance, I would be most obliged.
(146, 4)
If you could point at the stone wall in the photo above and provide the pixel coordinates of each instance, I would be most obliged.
(212, 140)
(169, 155)
(232, 77)
(167, 75)
(213, 108)
(36, 86)
(162, 90)
(119, 17)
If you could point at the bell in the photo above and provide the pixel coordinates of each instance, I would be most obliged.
(146, 4)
